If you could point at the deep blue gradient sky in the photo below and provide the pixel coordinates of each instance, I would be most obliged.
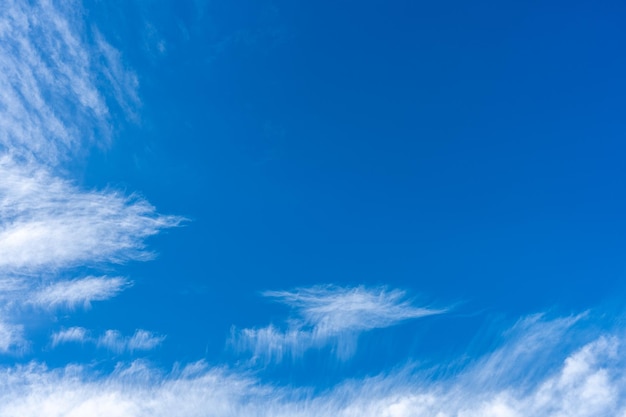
(468, 154)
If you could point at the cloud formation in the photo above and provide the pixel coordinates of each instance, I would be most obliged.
(584, 380)
(113, 340)
(78, 292)
(141, 340)
(52, 82)
(61, 82)
(328, 315)
(11, 337)
(73, 334)
(62, 86)
(47, 222)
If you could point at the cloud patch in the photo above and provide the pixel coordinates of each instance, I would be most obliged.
(73, 334)
(52, 81)
(62, 86)
(328, 315)
(577, 379)
(11, 338)
(79, 292)
(47, 222)
(113, 340)
(141, 340)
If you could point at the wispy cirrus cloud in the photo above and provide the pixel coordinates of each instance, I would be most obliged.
(63, 88)
(54, 99)
(581, 376)
(51, 80)
(113, 340)
(140, 340)
(73, 334)
(78, 292)
(11, 337)
(124, 83)
(328, 315)
(47, 222)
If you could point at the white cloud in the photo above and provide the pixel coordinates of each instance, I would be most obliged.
(48, 225)
(78, 292)
(11, 337)
(328, 315)
(587, 381)
(73, 334)
(533, 343)
(113, 340)
(51, 80)
(61, 87)
(123, 82)
(144, 340)
(141, 340)
(47, 222)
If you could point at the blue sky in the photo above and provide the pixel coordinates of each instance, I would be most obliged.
(289, 208)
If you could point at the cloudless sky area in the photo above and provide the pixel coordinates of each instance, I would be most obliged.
(466, 157)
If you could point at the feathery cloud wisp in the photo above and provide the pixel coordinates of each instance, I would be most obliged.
(582, 381)
(47, 222)
(78, 292)
(113, 340)
(11, 337)
(62, 85)
(73, 334)
(141, 340)
(52, 82)
(328, 315)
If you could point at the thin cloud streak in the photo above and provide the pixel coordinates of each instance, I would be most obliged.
(123, 82)
(328, 315)
(113, 340)
(52, 82)
(141, 340)
(11, 338)
(62, 85)
(73, 334)
(586, 380)
(79, 292)
(49, 223)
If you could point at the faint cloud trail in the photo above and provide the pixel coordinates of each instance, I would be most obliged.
(578, 379)
(328, 315)
(62, 88)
